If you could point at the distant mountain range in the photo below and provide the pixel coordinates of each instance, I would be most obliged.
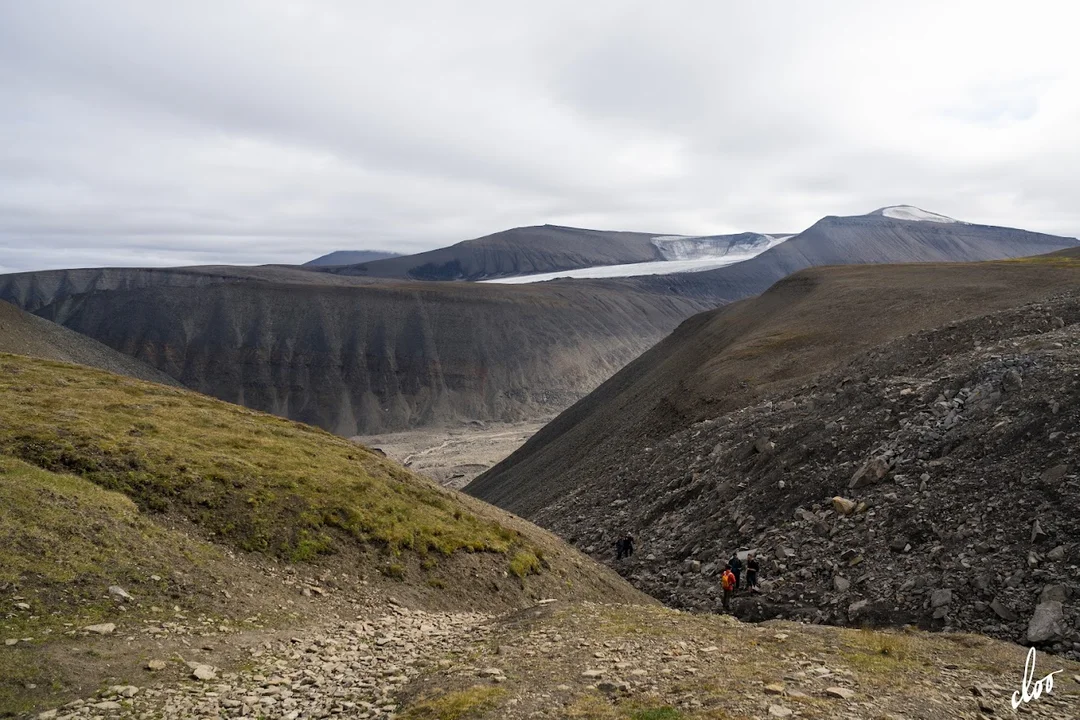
(349, 257)
(518, 251)
(898, 234)
(358, 356)
(374, 351)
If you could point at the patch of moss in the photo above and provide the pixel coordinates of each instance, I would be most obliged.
(458, 705)
(525, 563)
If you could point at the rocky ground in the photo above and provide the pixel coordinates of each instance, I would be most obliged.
(453, 456)
(584, 661)
(930, 481)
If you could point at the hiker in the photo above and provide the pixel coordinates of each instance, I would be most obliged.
(752, 567)
(628, 545)
(736, 568)
(727, 584)
(620, 549)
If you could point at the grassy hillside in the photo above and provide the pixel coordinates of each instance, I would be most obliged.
(215, 520)
(256, 482)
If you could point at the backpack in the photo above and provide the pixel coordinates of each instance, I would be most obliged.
(727, 580)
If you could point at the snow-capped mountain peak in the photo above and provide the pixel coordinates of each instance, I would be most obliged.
(910, 212)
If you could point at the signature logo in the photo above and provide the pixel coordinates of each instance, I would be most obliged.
(1032, 691)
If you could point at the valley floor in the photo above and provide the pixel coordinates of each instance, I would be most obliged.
(453, 457)
(606, 662)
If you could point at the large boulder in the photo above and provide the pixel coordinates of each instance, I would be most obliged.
(1048, 622)
(871, 473)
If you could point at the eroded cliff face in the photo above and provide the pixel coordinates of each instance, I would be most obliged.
(23, 333)
(360, 359)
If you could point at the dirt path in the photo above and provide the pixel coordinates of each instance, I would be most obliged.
(351, 669)
(453, 456)
(597, 662)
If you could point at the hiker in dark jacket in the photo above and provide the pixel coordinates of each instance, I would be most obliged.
(628, 545)
(752, 568)
(620, 549)
(736, 568)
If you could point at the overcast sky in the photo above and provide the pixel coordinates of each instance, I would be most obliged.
(163, 133)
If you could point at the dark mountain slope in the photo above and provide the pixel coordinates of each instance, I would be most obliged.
(718, 361)
(520, 251)
(888, 386)
(349, 257)
(25, 334)
(862, 239)
(368, 358)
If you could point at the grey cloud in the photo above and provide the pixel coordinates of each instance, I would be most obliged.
(248, 132)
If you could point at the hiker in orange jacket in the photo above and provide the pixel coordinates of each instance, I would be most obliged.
(727, 584)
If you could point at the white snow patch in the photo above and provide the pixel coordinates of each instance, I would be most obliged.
(910, 212)
(658, 267)
(703, 253)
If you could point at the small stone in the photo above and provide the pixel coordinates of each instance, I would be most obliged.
(1050, 593)
(941, 598)
(774, 689)
(491, 672)
(102, 629)
(870, 473)
(779, 711)
(592, 674)
(48, 715)
(840, 692)
(609, 686)
(118, 593)
(107, 705)
(1037, 533)
(1012, 380)
(843, 506)
(155, 665)
(1003, 611)
(11, 641)
(841, 583)
(204, 672)
(22, 606)
(1057, 553)
(1054, 474)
